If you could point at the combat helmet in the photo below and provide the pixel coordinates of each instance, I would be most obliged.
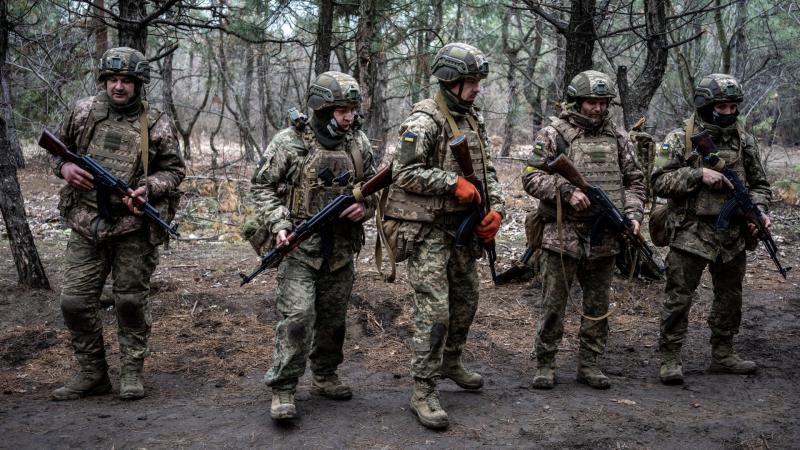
(717, 88)
(591, 84)
(457, 60)
(124, 61)
(333, 89)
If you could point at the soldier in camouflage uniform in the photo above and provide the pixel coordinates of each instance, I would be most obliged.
(109, 235)
(315, 280)
(430, 198)
(696, 194)
(606, 157)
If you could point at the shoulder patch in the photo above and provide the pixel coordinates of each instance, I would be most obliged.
(408, 147)
(409, 137)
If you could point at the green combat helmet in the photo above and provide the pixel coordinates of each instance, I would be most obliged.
(457, 60)
(333, 89)
(591, 84)
(124, 61)
(717, 88)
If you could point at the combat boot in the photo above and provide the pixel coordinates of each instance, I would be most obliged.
(453, 369)
(90, 379)
(425, 404)
(589, 372)
(282, 404)
(725, 360)
(545, 376)
(331, 387)
(131, 385)
(671, 370)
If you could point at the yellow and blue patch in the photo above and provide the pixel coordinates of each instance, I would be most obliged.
(409, 137)
(408, 147)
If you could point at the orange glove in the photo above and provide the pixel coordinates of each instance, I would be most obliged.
(489, 226)
(466, 191)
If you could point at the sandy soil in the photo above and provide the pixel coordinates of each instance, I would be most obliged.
(212, 342)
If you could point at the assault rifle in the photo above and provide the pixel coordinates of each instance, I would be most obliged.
(610, 215)
(103, 179)
(740, 199)
(460, 148)
(319, 220)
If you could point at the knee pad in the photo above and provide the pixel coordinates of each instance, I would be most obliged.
(132, 310)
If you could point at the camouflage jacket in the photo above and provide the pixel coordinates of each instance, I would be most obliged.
(419, 176)
(282, 162)
(166, 171)
(545, 187)
(676, 179)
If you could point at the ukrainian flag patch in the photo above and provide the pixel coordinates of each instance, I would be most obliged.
(409, 137)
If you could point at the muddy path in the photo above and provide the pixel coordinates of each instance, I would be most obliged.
(212, 342)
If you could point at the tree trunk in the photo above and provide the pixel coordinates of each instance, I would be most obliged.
(11, 129)
(636, 102)
(580, 36)
(722, 37)
(30, 270)
(133, 34)
(739, 47)
(100, 29)
(324, 37)
(534, 99)
(370, 61)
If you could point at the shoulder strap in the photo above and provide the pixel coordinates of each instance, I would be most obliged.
(358, 159)
(565, 130)
(445, 111)
(144, 130)
(687, 143)
(97, 113)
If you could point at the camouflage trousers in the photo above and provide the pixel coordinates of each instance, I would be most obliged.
(594, 276)
(313, 306)
(131, 260)
(445, 283)
(684, 271)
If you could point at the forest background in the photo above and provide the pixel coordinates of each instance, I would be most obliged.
(227, 71)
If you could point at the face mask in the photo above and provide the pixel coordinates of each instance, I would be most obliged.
(724, 120)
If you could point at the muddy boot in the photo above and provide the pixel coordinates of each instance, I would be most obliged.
(671, 370)
(453, 369)
(589, 372)
(545, 376)
(725, 360)
(425, 404)
(282, 404)
(131, 385)
(329, 386)
(90, 379)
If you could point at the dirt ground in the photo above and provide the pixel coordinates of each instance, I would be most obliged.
(212, 343)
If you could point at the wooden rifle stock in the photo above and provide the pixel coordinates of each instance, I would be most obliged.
(460, 148)
(378, 181)
(563, 166)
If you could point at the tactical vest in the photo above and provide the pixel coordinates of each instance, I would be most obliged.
(709, 202)
(597, 159)
(308, 193)
(405, 205)
(115, 144)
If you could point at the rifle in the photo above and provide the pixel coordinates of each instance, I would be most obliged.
(105, 180)
(609, 213)
(460, 148)
(319, 220)
(740, 198)
(518, 270)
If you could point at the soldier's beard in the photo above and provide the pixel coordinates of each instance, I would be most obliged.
(455, 103)
(587, 122)
(132, 107)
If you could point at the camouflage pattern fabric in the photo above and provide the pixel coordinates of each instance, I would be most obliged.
(282, 161)
(312, 304)
(675, 178)
(696, 244)
(445, 285)
(313, 286)
(545, 186)
(131, 260)
(445, 281)
(166, 168)
(594, 276)
(684, 271)
(416, 169)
